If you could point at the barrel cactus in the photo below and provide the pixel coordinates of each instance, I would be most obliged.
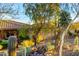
(12, 43)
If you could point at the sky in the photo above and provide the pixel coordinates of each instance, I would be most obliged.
(21, 17)
(71, 10)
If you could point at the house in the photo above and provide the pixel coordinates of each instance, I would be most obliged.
(8, 27)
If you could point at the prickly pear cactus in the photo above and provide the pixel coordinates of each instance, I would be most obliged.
(12, 43)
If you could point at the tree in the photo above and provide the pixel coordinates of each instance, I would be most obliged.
(64, 18)
(40, 14)
(23, 32)
(71, 8)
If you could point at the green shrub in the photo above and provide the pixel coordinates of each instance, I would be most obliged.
(23, 38)
(4, 43)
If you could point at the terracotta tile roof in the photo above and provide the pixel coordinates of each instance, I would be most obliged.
(9, 24)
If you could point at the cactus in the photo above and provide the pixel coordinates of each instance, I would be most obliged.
(76, 41)
(12, 43)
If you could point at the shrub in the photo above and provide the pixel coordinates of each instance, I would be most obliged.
(4, 43)
(23, 35)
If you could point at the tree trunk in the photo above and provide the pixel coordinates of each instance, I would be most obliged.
(35, 36)
(35, 40)
(63, 35)
(57, 39)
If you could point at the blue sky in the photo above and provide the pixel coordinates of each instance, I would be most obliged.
(21, 17)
